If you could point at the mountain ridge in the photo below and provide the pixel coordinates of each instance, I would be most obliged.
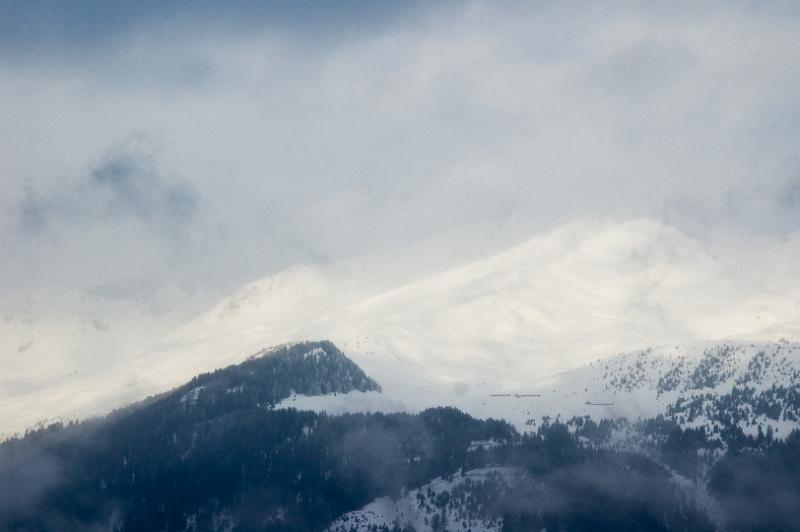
(223, 452)
(554, 302)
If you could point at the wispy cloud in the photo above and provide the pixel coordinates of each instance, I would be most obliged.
(299, 131)
(124, 185)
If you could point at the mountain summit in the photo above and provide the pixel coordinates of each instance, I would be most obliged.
(553, 303)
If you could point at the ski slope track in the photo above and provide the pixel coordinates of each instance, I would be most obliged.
(538, 320)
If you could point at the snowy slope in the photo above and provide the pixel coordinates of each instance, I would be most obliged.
(556, 302)
(422, 510)
(691, 384)
(654, 381)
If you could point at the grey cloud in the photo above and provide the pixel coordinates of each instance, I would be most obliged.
(314, 133)
(642, 69)
(33, 212)
(789, 194)
(137, 188)
(138, 291)
(125, 185)
(26, 476)
(40, 28)
(121, 289)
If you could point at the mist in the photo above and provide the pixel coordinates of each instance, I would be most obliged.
(244, 140)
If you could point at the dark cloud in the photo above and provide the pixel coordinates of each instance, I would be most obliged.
(40, 27)
(141, 292)
(33, 212)
(789, 195)
(137, 189)
(126, 185)
(121, 289)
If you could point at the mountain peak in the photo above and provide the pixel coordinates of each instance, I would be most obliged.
(310, 368)
(555, 302)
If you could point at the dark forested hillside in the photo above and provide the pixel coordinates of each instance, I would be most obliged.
(215, 454)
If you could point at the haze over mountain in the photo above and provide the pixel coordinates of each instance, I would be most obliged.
(302, 265)
(157, 158)
(242, 448)
(556, 302)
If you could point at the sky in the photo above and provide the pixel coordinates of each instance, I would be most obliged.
(156, 156)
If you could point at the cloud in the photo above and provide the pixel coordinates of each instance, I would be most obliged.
(789, 194)
(292, 132)
(42, 30)
(26, 476)
(124, 185)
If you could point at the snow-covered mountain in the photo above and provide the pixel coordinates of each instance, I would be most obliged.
(496, 325)
(709, 384)
(421, 509)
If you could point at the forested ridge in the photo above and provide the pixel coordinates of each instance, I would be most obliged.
(214, 454)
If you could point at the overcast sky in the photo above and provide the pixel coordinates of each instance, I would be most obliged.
(174, 147)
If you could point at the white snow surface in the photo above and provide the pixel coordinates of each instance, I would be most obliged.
(631, 386)
(409, 510)
(344, 403)
(516, 322)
